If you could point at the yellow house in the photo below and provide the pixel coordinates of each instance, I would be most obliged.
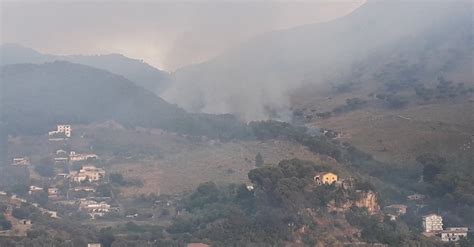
(325, 178)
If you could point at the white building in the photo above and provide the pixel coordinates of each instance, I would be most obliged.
(432, 223)
(66, 129)
(453, 234)
(94, 208)
(21, 161)
(35, 189)
(94, 245)
(84, 188)
(62, 129)
(73, 156)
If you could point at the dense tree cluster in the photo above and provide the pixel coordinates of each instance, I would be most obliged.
(4, 223)
(351, 105)
(443, 90)
(265, 130)
(453, 181)
(269, 214)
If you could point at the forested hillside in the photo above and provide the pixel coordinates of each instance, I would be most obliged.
(37, 97)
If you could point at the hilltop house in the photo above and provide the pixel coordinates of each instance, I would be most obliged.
(325, 178)
(432, 223)
(88, 173)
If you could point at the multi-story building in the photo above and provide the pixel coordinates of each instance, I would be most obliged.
(62, 131)
(66, 129)
(432, 223)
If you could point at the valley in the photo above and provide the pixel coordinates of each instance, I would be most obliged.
(353, 132)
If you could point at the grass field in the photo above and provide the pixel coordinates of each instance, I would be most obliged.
(401, 135)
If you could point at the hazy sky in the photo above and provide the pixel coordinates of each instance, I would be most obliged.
(166, 34)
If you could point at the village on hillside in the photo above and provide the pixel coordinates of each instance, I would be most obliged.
(75, 184)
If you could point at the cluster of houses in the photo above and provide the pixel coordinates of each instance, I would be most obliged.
(84, 180)
(433, 226)
(20, 226)
(89, 174)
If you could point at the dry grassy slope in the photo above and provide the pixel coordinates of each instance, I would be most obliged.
(402, 135)
(218, 162)
(180, 163)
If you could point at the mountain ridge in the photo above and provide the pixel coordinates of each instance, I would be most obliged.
(135, 70)
(36, 97)
(312, 54)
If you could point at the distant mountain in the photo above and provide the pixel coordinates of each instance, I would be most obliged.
(255, 79)
(13, 53)
(135, 70)
(36, 97)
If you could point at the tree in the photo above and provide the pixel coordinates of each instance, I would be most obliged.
(106, 237)
(117, 178)
(432, 166)
(466, 242)
(4, 223)
(104, 190)
(15, 179)
(259, 160)
(41, 198)
(45, 168)
(21, 213)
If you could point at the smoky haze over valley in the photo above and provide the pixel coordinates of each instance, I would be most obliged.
(206, 123)
(256, 79)
(254, 66)
(166, 34)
